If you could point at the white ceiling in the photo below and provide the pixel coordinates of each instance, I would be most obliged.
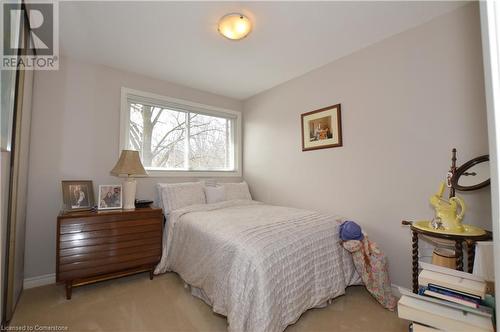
(179, 42)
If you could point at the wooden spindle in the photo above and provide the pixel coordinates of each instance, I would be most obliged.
(415, 261)
(459, 255)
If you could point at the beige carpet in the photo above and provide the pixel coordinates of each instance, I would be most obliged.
(136, 303)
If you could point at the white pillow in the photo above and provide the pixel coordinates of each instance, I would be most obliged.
(159, 193)
(210, 182)
(215, 194)
(237, 191)
(179, 195)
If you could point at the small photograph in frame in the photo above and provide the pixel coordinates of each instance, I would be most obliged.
(110, 197)
(321, 129)
(78, 195)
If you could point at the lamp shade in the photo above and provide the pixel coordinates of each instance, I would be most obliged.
(129, 164)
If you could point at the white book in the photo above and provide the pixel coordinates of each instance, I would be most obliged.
(479, 312)
(443, 316)
(452, 272)
(450, 298)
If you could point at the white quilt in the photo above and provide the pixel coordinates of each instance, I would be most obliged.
(262, 266)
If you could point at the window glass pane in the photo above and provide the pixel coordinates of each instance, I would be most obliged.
(209, 142)
(174, 138)
(159, 134)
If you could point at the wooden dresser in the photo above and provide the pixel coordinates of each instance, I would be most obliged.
(96, 246)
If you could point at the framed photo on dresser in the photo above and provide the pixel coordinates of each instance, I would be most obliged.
(110, 197)
(78, 195)
(321, 129)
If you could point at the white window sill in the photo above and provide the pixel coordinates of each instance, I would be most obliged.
(154, 173)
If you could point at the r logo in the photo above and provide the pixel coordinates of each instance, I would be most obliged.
(40, 20)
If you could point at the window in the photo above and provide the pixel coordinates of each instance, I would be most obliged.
(175, 136)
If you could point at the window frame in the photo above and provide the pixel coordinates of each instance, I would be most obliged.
(188, 106)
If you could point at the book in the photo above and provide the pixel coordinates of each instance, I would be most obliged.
(471, 302)
(452, 279)
(407, 292)
(450, 298)
(445, 270)
(448, 291)
(442, 315)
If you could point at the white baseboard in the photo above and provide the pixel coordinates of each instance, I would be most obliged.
(38, 281)
(395, 290)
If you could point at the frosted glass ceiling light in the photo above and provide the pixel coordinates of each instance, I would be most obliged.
(234, 26)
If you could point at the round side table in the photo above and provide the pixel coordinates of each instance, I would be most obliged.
(469, 240)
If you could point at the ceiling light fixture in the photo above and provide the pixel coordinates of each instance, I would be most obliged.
(234, 26)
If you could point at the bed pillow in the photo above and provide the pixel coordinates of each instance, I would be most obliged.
(159, 194)
(237, 191)
(179, 195)
(215, 194)
(210, 183)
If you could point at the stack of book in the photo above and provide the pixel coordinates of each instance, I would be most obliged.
(448, 300)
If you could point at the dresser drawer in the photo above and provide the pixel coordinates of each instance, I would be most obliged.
(108, 218)
(80, 225)
(104, 257)
(117, 247)
(105, 269)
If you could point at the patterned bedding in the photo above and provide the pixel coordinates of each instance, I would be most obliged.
(262, 266)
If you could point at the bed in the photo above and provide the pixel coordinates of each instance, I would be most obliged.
(259, 265)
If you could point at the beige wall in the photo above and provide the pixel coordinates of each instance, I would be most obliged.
(75, 135)
(406, 101)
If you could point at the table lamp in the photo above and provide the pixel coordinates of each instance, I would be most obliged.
(129, 165)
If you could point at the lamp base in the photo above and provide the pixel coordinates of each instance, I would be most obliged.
(129, 187)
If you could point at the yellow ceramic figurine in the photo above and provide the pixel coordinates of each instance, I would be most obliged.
(447, 211)
(449, 216)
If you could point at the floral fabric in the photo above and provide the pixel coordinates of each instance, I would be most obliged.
(371, 264)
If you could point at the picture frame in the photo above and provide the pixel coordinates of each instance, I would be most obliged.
(78, 195)
(110, 197)
(322, 128)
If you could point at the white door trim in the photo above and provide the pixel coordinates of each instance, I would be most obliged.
(490, 32)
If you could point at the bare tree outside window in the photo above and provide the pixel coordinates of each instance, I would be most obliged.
(172, 139)
(208, 142)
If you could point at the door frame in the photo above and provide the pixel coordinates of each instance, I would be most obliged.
(490, 33)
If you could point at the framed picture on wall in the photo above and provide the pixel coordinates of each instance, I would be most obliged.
(110, 197)
(321, 129)
(78, 195)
